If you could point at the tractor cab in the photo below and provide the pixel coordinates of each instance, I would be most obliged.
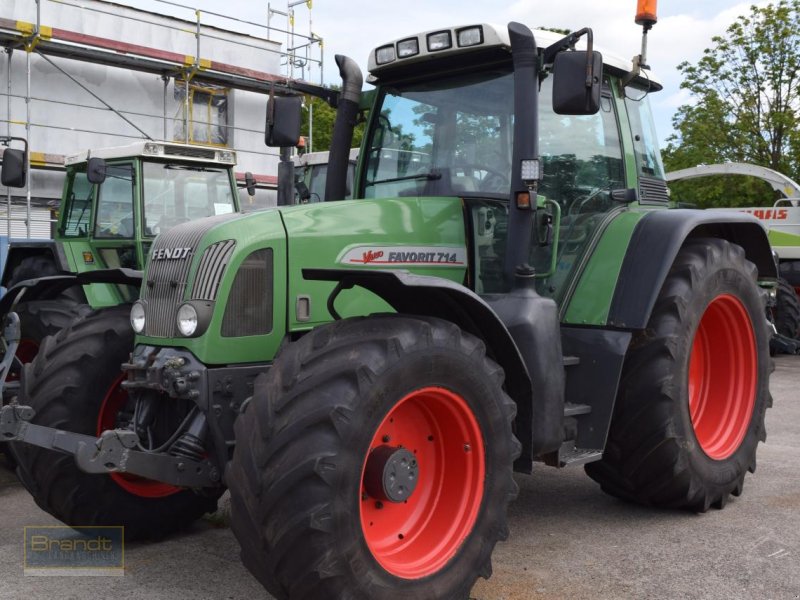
(142, 190)
(444, 124)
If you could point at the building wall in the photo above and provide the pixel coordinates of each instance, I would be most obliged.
(63, 121)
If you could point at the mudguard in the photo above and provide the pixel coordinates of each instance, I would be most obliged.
(438, 297)
(43, 288)
(654, 245)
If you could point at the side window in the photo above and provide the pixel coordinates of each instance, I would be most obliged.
(581, 155)
(115, 204)
(78, 206)
(583, 164)
(645, 140)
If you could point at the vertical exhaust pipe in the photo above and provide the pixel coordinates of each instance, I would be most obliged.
(346, 114)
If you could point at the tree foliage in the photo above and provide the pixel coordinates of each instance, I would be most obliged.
(745, 107)
(322, 121)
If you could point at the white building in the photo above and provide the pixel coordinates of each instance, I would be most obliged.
(102, 74)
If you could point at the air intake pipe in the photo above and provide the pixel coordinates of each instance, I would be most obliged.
(346, 115)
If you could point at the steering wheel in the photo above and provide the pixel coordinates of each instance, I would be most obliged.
(494, 180)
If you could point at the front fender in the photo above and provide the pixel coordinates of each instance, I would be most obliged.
(43, 288)
(441, 298)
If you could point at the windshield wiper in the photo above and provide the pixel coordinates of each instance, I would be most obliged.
(429, 176)
(191, 168)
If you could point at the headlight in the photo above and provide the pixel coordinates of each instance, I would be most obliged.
(137, 316)
(187, 320)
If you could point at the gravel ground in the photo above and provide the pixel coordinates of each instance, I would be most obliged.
(568, 540)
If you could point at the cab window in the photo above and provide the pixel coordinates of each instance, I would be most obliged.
(115, 204)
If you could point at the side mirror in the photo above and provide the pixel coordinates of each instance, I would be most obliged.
(283, 121)
(571, 94)
(250, 183)
(96, 170)
(14, 163)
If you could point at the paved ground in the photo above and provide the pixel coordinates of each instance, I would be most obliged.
(568, 540)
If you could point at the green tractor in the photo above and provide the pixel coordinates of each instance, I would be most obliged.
(509, 287)
(115, 202)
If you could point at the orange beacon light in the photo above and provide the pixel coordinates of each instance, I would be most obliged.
(646, 13)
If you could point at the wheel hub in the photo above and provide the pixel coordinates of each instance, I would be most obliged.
(391, 474)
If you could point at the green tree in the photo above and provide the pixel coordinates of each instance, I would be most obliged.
(746, 104)
(322, 120)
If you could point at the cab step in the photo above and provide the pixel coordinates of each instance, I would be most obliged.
(570, 455)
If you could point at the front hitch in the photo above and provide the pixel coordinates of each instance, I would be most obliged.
(113, 452)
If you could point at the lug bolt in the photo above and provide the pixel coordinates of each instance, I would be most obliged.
(467, 448)
(379, 505)
(386, 439)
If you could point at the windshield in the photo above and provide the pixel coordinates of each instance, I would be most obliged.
(176, 193)
(451, 136)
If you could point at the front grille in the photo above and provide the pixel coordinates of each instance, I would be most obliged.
(249, 308)
(190, 152)
(212, 268)
(165, 284)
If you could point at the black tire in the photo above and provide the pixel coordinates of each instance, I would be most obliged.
(790, 271)
(656, 455)
(39, 319)
(787, 310)
(296, 475)
(66, 385)
(32, 267)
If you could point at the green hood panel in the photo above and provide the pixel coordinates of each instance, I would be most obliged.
(423, 235)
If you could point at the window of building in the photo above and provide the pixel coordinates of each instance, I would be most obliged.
(207, 117)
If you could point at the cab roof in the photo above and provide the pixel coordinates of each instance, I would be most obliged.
(160, 150)
(489, 36)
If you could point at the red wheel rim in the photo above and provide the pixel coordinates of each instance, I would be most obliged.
(723, 374)
(114, 401)
(417, 537)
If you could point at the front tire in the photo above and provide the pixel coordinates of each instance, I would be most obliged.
(690, 409)
(72, 385)
(348, 415)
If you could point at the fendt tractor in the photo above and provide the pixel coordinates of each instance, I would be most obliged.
(508, 287)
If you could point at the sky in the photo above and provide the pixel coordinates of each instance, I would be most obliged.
(354, 27)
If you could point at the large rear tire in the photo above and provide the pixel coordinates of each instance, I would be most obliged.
(690, 409)
(72, 384)
(344, 411)
(787, 310)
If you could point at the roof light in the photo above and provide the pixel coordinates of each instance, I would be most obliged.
(384, 55)
(471, 36)
(406, 48)
(151, 149)
(439, 41)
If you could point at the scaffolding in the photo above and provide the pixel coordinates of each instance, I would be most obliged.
(51, 44)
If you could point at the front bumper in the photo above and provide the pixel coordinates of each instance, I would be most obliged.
(219, 393)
